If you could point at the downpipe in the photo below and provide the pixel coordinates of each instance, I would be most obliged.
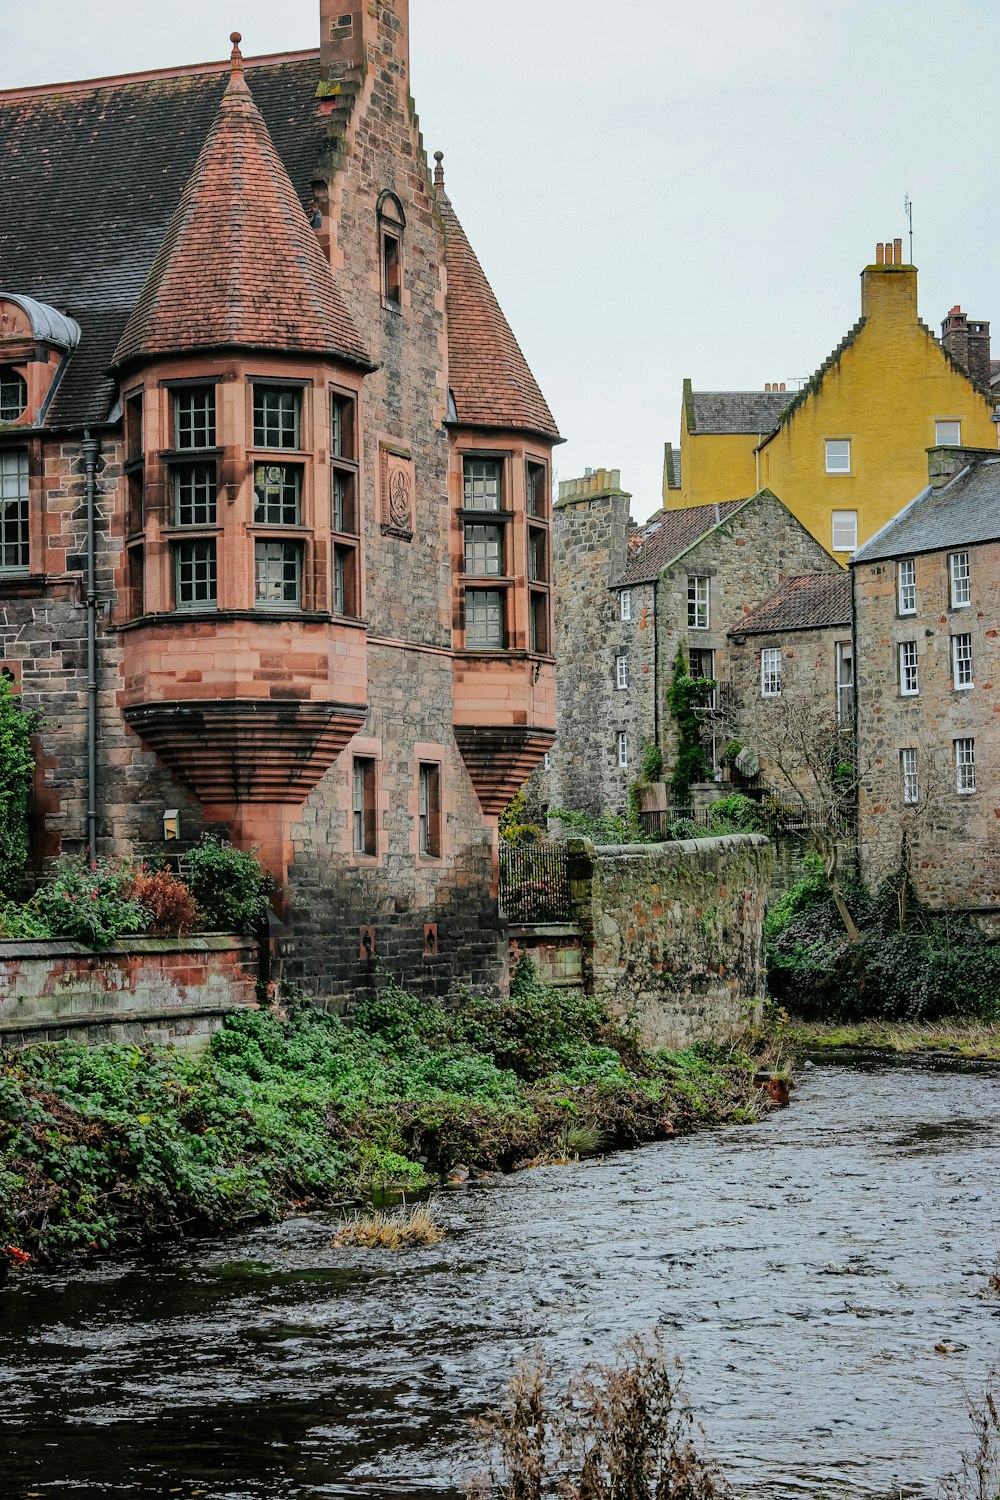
(91, 451)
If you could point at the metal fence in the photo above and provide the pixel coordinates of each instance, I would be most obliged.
(534, 883)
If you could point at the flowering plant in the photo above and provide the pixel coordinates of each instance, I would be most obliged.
(92, 904)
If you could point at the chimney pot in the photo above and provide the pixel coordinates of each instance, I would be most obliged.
(781, 387)
(880, 255)
(897, 252)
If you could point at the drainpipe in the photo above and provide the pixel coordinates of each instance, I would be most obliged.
(91, 450)
(656, 662)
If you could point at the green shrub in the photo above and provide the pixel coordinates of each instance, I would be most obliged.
(23, 922)
(17, 771)
(91, 905)
(608, 828)
(229, 886)
(736, 813)
(686, 694)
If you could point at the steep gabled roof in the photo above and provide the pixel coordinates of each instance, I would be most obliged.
(961, 513)
(490, 380)
(661, 542)
(814, 383)
(734, 412)
(240, 265)
(810, 601)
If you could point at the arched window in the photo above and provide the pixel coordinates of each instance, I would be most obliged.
(13, 394)
(391, 224)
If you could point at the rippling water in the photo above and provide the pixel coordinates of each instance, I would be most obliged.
(804, 1269)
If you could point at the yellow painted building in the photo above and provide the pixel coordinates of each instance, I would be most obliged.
(849, 450)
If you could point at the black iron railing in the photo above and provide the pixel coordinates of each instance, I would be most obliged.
(782, 820)
(534, 883)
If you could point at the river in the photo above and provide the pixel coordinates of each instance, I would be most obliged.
(804, 1269)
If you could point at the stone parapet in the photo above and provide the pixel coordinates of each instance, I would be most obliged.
(141, 990)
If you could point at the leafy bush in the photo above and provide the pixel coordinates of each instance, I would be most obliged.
(607, 828)
(686, 694)
(114, 1145)
(735, 813)
(229, 886)
(23, 922)
(942, 965)
(17, 772)
(170, 904)
(91, 905)
(514, 827)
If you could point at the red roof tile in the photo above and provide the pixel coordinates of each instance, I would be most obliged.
(489, 376)
(239, 264)
(811, 601)
(659, 542)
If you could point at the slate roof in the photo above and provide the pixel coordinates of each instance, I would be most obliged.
(663, 540)
(489, 377)
(240, 264)
(961, 513)
(671, 467)
(750, 412)
(994, 371)
(810, 601)
(93, 173)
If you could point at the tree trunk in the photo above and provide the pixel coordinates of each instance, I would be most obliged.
(830, 866)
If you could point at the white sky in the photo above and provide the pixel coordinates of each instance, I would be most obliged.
(656, 188)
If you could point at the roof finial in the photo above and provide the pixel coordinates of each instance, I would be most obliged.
(439, 169)
(237, 82)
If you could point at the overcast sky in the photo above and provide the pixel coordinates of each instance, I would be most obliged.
(656, 189)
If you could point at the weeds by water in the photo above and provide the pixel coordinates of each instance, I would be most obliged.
(616, 1432)
(402, 1229)
(102, 1147)
(979, 1477)
(957, 1036)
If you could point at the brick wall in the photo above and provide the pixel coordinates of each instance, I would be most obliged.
(144, 990)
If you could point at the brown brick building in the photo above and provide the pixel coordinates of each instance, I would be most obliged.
(927, 626)
(275, 480)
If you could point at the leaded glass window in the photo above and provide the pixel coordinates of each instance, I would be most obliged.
(195, 574)
(483, 617)
(194, 417)
(13, 395)
(194, 494)
(276, 417)
(13, 510)
(278, 574)
(481, 478)
(277, 489)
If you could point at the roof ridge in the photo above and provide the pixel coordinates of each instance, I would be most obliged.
(150, 75)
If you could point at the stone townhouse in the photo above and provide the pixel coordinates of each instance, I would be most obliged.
(847, 451)
(927, 626)
(626, 598)
(791, 660)
(275, 481)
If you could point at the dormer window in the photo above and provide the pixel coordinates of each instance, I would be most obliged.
(13, 394)
(391, 224)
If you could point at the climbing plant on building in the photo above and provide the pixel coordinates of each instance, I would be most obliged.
(17, 770)
(686, 695)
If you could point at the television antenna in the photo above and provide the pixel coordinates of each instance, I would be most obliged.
(908, 211)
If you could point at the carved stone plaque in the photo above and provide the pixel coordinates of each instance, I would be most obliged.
(396, 486)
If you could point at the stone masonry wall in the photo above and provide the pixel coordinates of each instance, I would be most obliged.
(953, 838)
(673, 933)
(142, 990)
(744, 561)
(589, 555)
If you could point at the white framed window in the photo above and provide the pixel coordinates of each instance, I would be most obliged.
(965, 766)
(909, 669)
(845, 681)
(845, 530)
(911, 776)
(770, 672)
(625, 604)
(621, 672)
(698, 603)
(961, 661)
(947, 434)
(960, 580)
(14, 525)
(838, 455)
(906, 586)
(622, 748)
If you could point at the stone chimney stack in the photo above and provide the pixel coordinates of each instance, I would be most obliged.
(968, 344)
(889, 285)
(354, 32)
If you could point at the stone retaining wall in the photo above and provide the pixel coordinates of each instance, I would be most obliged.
(671, 934)
(142, 990)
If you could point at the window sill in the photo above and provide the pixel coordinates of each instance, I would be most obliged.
(208, 612)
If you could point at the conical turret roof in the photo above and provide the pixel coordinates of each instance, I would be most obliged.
(240, 264)
(489, 376)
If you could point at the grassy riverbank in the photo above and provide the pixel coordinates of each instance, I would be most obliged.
(105, 1147)
(955, 1037)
